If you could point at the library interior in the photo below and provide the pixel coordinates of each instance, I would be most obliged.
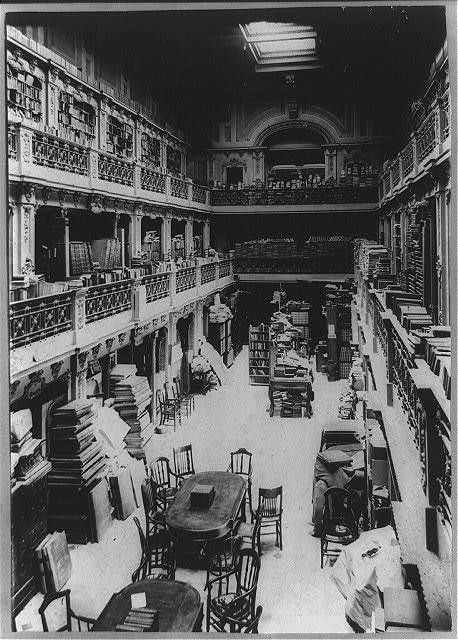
(231, 261)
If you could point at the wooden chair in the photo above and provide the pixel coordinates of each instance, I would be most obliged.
(241, 464)
(162, 474)
(72, 621)
(159, 563)
(250, 533)
(153, 517)
(252, 627)
(339, 526)
(184, 463)
(235, 602)
(186, 400)
(220, 555)
(270, 504)
(170, 411)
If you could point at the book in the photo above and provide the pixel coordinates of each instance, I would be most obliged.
(40, 564)
(57, 561)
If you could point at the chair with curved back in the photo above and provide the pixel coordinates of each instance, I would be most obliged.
(183, 461)
(339, 524)
(169, 410)
(162, 475)
(235, 603)
(186, 400)
(270, 504)
(241, 464)
(62, 606)
(250, 533)
(153, 516)
(159, 563)
(252, 627)
(220, 555)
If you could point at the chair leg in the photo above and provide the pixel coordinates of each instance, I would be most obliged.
(250, 501)
(322, 551)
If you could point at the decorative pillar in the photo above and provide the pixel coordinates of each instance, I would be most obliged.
(24, 231)
(188, 239)
(330, 164)
(135, 233)
(258, 166)
(206, 237)
(52, 98)
(78, 366)
(166, 238)
(198, 325)
(103, 125)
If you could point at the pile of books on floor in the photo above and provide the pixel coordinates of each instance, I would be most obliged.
(132, 398)
(78, 464)
(289, 402)
(140, 619)
(54, 562)
(27, 459)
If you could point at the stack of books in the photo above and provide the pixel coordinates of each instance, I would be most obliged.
(77, 465)
(141, 619)
(132, 398)
(29, 461)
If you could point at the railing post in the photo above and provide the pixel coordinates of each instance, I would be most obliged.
(401, 173)
(24, 149)
(138, 300)
(189, 191)
(173, 284)
(168, 187)
(137, 178)
(79, 313)
(207, 197)
(93, 166)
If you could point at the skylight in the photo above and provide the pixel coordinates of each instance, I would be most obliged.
(281, 46)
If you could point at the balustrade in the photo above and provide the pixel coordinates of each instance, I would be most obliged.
(225, 268)
(39, 318)
(252, 196)
(12, 142)
(395, 172)
(426, 138)
(407, 158)
(446, 119)
(113, 170)
(152, 180)
(208, 273)
(199, 193)
(157, 286)
(107, 300)
(178, 188)
(49, 151)
(185, 279)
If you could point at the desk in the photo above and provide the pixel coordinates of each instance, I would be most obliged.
(178, 603)
(212, 523)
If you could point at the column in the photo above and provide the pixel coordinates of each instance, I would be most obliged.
(330, 164)
(24, 231)
(135, 234)
(166, 238)
(52, 98)
(65, 218)
(188, 239)
(198, 325)
(206, 237)
(78, 368)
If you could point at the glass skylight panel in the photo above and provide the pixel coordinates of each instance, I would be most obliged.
(287, 46)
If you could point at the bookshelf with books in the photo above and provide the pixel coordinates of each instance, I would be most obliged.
(25, 93)
(76, 119)
(119, 137)
(258, 354)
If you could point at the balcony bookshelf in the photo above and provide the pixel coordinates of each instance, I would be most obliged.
(76, 119)
(119, 137)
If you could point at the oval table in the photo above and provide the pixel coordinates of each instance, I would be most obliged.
(210, 523)
(178, 603)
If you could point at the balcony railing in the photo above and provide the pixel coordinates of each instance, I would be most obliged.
(12, 142)
(185, 279)
(208, 273)
(39, 318)
(225, 268)
(426, 138)
(253, 196)
(199, 193)
(113, 170)
(179, 188)
(446, 119)
(426, 142)
(407, 159)
(152, 180)
(107, 300)
(157, 286)
(36, 319)
(49, 151)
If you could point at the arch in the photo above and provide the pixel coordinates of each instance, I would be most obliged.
(320, 121)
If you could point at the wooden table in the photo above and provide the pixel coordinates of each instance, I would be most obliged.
(214, 522)
(178, 603)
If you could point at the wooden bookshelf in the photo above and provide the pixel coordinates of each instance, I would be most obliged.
(24, 93)
(76, 119)
(119, 137)
(258, 354)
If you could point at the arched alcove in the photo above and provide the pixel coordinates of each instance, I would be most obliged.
(293, 152)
